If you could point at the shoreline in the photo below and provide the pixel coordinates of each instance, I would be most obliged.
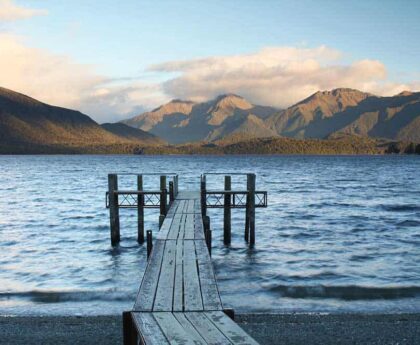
(311, 328)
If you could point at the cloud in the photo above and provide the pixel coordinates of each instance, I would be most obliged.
(11, 12)
(58, 80)
(278, 76)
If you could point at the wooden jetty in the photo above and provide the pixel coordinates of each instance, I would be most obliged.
(178, 300)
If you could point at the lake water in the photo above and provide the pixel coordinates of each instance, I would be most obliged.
(341, 234)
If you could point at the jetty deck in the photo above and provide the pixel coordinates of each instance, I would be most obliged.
(178, 300)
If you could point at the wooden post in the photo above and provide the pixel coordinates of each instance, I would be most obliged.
(140, 210)
(149, 243)
(227, 213)
(206, 223)
(207, 235)
(203, 196)
(175, 179)
(171, 192)
(129, 330)
(251, 178)
(163, 195)
(246, 235)
(114, 216)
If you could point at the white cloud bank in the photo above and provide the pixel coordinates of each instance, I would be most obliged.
(278, 76)
(58, 80)
(11, 12)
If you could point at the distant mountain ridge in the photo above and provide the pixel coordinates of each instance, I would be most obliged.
(349, 120)
(185, 121)
(231, 117)
(27, 125)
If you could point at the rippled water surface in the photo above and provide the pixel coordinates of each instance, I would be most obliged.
(340, 234)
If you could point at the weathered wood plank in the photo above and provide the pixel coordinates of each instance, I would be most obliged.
(230, 329)
(173, 330)
(148, 328)
(192, 293)
(198, 227)
(209, 290)
(164, 293)
(147, 291)
(179, 278)
(165, 228)
(189, 227)
(189, 328)
(181, 232)
(188, 195)
(174, 230)
(206, 328)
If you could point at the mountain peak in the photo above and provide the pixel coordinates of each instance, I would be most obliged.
(174, 106)
(230, 101)
(405, 93)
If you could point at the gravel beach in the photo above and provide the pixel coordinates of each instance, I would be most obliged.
(267, 329)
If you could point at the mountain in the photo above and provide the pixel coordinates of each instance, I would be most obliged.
(351, 112)
(183, 121)
(132, 134)
(27, 125)
(293, 121)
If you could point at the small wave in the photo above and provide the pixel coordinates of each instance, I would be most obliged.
(400, 208)
(68, 296)
(409, 223)
(349, 293)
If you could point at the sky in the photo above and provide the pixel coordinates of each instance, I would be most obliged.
(115, 59)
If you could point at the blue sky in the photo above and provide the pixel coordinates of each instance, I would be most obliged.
(121, 40)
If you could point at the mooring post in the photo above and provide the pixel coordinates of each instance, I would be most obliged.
(129, 330)
(206, 223)
(207, 236)
(203, 195)
(163, 200)
(246, 235)
(140, 210)
(171, 192)
(149, 240)
(175, 179)
(227, 213)
(114, 216)
(251, 178)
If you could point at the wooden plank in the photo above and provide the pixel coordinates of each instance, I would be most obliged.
(190, 207)
(181, 232)
(147, 291)
(174, 331)
(164, 293)
(206, 328)
(230, 329)
(148, 328)
(179, 278)
(189, 328)
(188, 195)
(192, 293)
(189, 227)
(198, 227)
(174, 230)
(165, 228)
(209, 290)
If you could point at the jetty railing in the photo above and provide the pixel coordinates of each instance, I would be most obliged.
(228, 199)
(249, 199)
(139, 199)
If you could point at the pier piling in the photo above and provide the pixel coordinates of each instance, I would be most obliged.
(251, 193)
(149, 243)
(140, 210)
(114, 216)
(227, 213)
